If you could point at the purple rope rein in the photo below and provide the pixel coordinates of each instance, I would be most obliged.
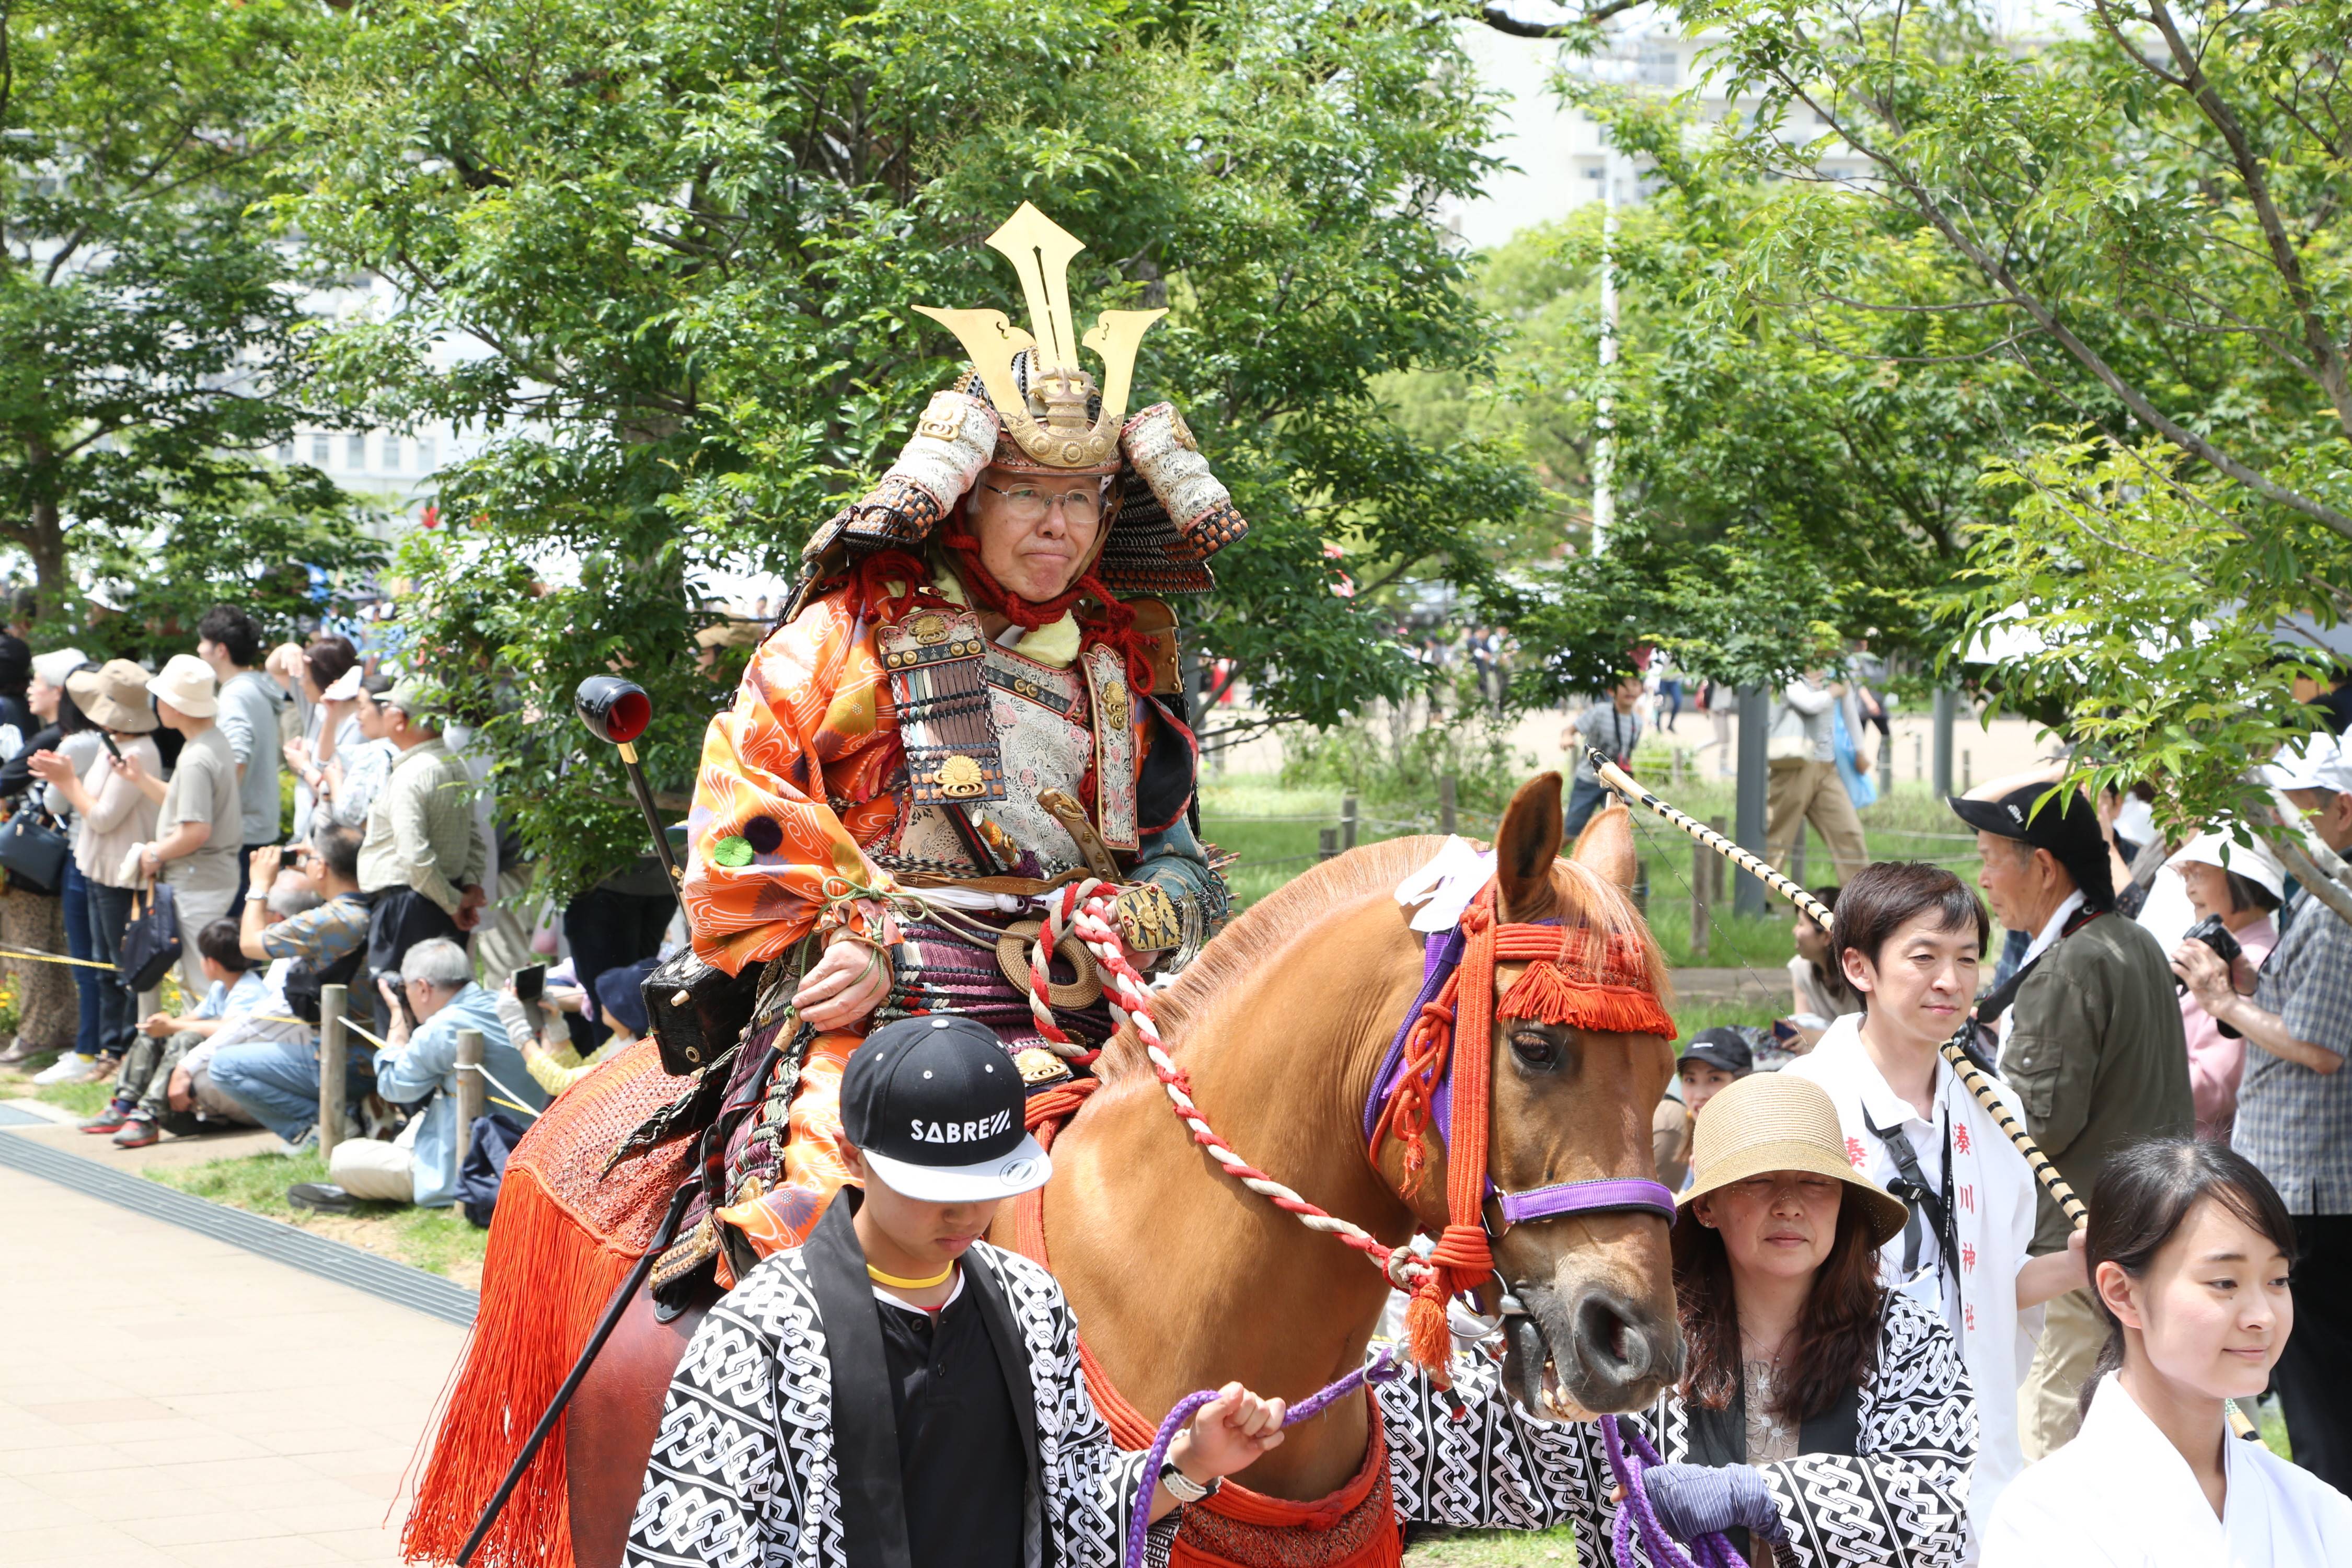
(1382, 1368)
(1636, 1514)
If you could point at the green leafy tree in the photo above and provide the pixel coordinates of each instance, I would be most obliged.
(683, 242)
(2149, 206)
(149, 324)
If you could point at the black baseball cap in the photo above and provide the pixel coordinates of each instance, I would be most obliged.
(934, 1104)
(2066, 826)
(1722, 1047)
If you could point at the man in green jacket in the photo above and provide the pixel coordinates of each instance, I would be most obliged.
(2091, 1045)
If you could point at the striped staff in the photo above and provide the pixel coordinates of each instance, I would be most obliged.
(1966, 1072)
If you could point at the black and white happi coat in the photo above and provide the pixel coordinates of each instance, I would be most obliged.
(771, 1453)
(1901, 1497)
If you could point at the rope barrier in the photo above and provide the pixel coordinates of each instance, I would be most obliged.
(39, 957)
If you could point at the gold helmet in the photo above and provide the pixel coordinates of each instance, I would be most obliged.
(1028, 405)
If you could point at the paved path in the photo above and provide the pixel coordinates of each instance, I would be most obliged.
(169, 1399)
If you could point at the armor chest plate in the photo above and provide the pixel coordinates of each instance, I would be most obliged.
(1039, 736)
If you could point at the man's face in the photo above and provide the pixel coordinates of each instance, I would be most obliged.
(312, 867)
(2330, 815)
(2017, 879)
(1036, 531)
(170, 717)
(425, 998)
(1626, 692)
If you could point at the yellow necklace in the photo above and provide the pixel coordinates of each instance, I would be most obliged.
(894, 1283)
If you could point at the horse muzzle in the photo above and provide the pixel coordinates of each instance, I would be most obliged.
(1571, 1355)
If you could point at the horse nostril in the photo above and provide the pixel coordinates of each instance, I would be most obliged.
(1612, 1344)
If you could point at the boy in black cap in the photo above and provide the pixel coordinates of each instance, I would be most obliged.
(1713, 1060)
(2091, 1041)
(899, 1386)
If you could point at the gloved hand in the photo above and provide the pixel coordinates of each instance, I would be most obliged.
(1692, 1500)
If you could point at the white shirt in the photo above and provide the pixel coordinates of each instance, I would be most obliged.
(1992, 1199)
(2041, 944)
(2120, 1494)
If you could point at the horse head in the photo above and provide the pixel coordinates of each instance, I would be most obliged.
(1596, 1327)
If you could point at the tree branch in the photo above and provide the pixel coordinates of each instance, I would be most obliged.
(1502, 21)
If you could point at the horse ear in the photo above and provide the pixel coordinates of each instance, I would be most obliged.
(1606, 845)
(1524, 847)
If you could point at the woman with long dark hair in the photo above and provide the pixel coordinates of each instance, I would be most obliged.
(1821, 1419)
(2189, 1247)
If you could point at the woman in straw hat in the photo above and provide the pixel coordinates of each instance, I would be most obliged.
(1821, 1419)
(112, 816)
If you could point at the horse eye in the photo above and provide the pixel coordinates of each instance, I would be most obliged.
(1535, 1050)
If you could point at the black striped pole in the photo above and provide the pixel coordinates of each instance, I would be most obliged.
(1970, 1076)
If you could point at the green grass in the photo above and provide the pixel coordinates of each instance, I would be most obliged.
(440, 1241)
(1492, 1548)
(81, 1098)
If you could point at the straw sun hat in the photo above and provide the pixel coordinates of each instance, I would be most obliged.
(114, 695)
(1777, 1122)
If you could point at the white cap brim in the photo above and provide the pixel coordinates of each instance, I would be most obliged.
(1025, 1169)
(346, 687)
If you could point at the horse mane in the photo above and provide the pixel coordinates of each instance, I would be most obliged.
(1269, 928)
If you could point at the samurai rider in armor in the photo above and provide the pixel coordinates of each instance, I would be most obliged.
(965, 703)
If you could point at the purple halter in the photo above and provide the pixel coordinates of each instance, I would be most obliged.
(1441, 955)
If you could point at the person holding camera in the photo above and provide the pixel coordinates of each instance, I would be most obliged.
(2295, 1109)
(2234, 889)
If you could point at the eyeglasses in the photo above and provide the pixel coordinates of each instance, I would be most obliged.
(1027, 503)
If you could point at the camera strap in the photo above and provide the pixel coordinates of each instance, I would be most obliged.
(1996, 1001)
(1911, 1185)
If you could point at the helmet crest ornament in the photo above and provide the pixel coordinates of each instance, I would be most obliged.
(1058, 432)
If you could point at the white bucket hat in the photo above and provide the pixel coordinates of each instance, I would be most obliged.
(186, 683)
(2255, 864)
(57, 663)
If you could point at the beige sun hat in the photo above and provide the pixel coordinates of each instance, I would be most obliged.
(186, 683)
(114, 695)
(1777, 1122)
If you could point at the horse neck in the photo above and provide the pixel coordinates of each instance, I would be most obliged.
(1182, 1277)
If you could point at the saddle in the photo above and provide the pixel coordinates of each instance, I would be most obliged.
(737, 1037)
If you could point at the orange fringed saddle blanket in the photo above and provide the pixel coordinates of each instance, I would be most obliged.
(1355, 1527)
(564, 1236)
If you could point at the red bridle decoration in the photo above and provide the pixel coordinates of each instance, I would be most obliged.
(1549, 992)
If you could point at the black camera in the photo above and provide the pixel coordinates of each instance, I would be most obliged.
(2215, 935)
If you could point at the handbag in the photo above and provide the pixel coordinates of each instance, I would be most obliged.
(1788, 742)
(150, 937)
(33, 850)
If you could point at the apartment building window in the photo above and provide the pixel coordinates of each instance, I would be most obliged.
(425, 453)
(357, 451)
(391, 454)
(319, 451)
(286, 450)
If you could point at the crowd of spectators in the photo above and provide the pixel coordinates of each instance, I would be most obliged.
(311, 819)
(2149, 990)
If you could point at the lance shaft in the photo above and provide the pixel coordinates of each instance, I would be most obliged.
(1971, 1077)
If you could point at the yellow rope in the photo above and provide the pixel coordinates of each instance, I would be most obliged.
(55, 958)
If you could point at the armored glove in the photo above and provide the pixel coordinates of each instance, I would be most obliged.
(1692, 1500)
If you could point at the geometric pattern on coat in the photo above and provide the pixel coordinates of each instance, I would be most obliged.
(1902, 1499)
(743, 1473)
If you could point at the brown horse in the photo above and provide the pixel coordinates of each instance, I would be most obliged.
(1184, 1280)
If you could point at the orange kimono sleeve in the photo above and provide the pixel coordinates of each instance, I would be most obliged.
(811, 725)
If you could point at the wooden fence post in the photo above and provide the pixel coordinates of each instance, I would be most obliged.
(472, 1088)
(1347, 822)
(1642, 886)
(1967, 772)
(1702, 882)
(333, 1053)
(1445, 791)
(1326, 843)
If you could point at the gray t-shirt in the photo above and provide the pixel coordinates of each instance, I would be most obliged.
(203, 789)
(249, 722)
(1614, 733)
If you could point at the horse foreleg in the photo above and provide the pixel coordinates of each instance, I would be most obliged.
(609, 1430)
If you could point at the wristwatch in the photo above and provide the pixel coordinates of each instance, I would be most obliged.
(1183, 1488)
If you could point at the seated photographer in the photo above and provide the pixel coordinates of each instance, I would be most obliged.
(154, 1080)
(418, 1066)
(2233, 900)
(272, 1068)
